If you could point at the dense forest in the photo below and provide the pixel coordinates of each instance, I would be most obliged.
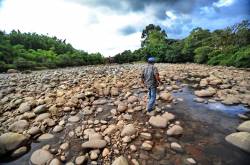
(32, 51)
(228, 47)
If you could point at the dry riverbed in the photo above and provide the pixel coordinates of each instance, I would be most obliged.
(96, 115)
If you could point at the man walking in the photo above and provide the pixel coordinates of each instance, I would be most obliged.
(150, 78)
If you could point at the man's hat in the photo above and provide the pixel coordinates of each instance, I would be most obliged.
(151, 59)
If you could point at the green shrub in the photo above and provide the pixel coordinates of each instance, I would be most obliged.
(201, 54)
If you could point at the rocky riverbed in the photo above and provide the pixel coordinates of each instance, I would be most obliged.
(96, 115)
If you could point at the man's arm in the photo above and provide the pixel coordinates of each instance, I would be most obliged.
(157, 76)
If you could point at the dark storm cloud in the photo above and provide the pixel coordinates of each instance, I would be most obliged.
(160, 6)
(128, 30)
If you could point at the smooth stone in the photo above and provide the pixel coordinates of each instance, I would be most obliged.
(74, 119)
(146, 146)
(20, 151)
(105, 152)
(166, 96)
(176, 147)
(95, 136)
(110, 130)
(95, 144)
(126, 139)
(168, 116)
(80, 160)
(45, 137)
(244, 127)
(191, 161)
(146, 135)
(34, 130)
(93, 155)
(128, 130)
(240, 139)
(11, 141)
(24, 107)
(57, 128)
(41, 157)
(64, 146)
(42, 117)
(133, 147)
(175, 130)
(55, 161)
(158, 121)
(40, 109)
(120, 161)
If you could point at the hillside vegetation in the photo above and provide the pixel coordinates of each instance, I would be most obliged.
(229, 46)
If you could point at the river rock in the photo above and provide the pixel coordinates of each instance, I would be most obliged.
(20, 151)
(175, 130)
(122, 107)
(40, 109)
(146, 146)
(128, 130)
(110, 130)
(120, 161)
(175, 146)
(55, 161)
(45, 137)
(24, 107)
(64, 146)
(34, 130)
(205, 92)
(95, 144)
(41, 157)
(166, 96)
(240, 139)
(158, 121)
(74, 119)
(168, 116)
(105, 152)
(57, 128)
(19, 126)
(80, 160)
(132, 99)
(11, 141)
(12, 71)
(146, 135)
(42, 117)
(244, 127)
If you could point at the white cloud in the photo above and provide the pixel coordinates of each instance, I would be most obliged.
(89, 29)
(223, 3)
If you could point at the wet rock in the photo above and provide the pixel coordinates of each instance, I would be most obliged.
(11, 141)
(244, 127)
(168, 116)
(176, 147)
(199, 100)
(40, 109)
(45, 137)
(19, 126)
(128, 130)
(158, 121)
(57, 128)
(240, 139)
(166, 96)
(190, 161)
(80, 160)
(41, 157)
(120, 161)
(19, 152)
(175, 130)
(55, 161)
(205, 92)
(95, 144)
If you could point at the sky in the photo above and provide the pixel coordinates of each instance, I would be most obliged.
(112, 26)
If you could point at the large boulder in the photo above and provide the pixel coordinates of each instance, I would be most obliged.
(240, 139)
(244, 127)
(205, 92)
(132, 99)
(11, 141)
(41, 157)
(120, 161)
(158, 121)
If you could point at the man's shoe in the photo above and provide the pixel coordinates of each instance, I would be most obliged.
(152, 113)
